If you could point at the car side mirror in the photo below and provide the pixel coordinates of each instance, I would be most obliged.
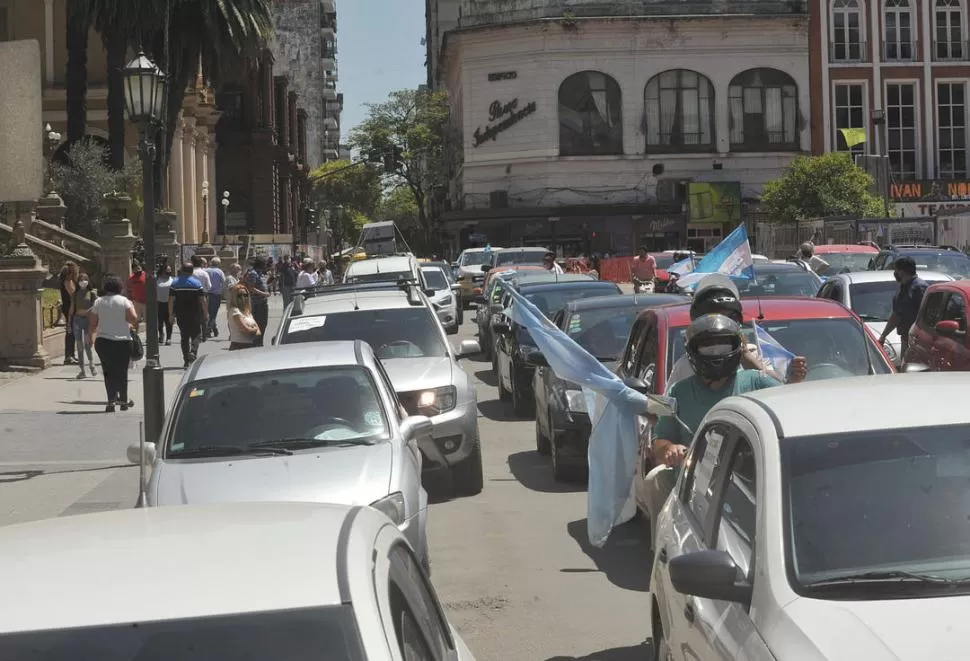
(416, 426)
(636, 383)
(454, 265)
(456, 287)
(947, 328)
(469, 348)
(536, 359)
(135, 455)
(709, 574)
(486, 268)
(429, 292)
(913, 368)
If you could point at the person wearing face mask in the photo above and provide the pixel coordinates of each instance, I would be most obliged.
(906, 304)
(82, 300)
(715, 346)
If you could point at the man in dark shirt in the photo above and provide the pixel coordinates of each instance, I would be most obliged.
(188, 305)
(287, 276)
(906, 304)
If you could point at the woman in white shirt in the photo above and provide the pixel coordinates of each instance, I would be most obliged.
(308, 276)
(243, 329)
(163, 285)
(111, 319)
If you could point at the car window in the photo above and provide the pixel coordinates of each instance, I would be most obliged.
(646, 367)
(408, 578)
(838, 292)
(932, 310)
(519, 257)
(736, 529)
(956, 310)
(410, 332)
(701, 466)
(846, 262)
(388, 276)
(400, 410)
(602, 332)
(881, 261)
(553, 299)
(873, 301)
(952, 263)
(826, 290)
(785, 283)
(435, 279)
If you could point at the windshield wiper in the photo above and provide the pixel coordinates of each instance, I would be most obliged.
(884, 577)
(299, 443)
(226, 451)
(870, 317)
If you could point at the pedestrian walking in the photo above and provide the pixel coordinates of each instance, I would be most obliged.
(81, 302)
(137, 289)
(271, 276)
(243, 329)
(199, 265)
(324, 275)
(111, 321)
(163, 285)
(188, 306)
(259, 296)
(288, 277)
(308, 276)
(68, 285)
(906, 304)
(217, 279)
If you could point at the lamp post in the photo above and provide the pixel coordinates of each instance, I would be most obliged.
(144, 91)
(225, 212)
(878, 116)
(205, 213)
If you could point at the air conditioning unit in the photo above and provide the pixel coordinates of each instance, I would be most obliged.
(671, 191)
(498, 199)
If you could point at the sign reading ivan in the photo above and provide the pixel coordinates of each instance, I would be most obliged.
(509, 113)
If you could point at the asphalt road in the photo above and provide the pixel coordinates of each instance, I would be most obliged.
(512, 565)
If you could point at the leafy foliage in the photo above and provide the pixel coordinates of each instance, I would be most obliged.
(83, 181)
(414, 122)
(356, 189)
(819, 186)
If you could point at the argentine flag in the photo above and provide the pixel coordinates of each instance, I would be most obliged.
(771, 350)
(683, 267)
(732, 257)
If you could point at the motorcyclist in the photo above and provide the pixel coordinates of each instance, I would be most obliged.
(715, 346)
(643, 270)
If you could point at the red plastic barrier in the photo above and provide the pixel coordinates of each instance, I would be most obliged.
(616, 269)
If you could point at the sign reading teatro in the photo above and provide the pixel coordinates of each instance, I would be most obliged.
(502, 116)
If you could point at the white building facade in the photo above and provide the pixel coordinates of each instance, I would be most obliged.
(589, 132)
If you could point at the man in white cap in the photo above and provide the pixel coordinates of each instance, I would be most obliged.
(308, 276)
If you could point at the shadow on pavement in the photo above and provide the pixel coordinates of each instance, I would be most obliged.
(625, 560)
(23, 476)
(487, 377)
(533, 471)
(632, 653)
(497, 410)
(98, 412)
(80, 402)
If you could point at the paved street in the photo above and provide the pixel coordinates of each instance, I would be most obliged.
(511, 565)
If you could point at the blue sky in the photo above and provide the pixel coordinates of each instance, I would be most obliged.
(379, 50)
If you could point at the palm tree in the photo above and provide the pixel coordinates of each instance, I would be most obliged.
(76, 79)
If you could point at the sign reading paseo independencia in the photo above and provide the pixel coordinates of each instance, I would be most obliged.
(509, 113)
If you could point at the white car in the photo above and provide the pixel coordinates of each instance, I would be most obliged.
(468, 269)
(382, 269)
(294, 581)
(870, 295)
(818, 522)
(444, 296)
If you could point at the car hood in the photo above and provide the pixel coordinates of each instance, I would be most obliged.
(409, 374)
(471, 270)
(356, 475)
(878, 327)
(872, 630)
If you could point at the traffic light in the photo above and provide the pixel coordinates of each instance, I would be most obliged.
(393, 158)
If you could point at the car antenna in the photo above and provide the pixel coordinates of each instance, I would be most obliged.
(761, 311)
(356, 304)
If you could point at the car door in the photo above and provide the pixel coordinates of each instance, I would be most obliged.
(645, 369)
(950, 352)
(542, 381)
(684, 527)
(923, 335)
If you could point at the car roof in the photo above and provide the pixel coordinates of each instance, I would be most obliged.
(772, 307)
(925, 249)
(624, 300)
(278, 358)
(771, 267)
(865, 402)
(349, 301)
(862, 277)
(162, 563)
(553, 278)
(564, 282)
(526, 249)
(828, 248)
(391, 264)
(962, 285)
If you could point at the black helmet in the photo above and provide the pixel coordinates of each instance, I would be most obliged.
(717, 294)
(714, 346)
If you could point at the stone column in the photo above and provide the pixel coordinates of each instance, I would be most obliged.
(175, 178)
(21, 284)
(116, 237)
(166, 241)
(190, 216)
(201, 174)
(215, 195)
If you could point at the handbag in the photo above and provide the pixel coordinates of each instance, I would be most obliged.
(137, 348)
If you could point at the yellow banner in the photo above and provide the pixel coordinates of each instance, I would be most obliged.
(853, 137)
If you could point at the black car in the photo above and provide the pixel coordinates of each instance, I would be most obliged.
(942, 259)
(485, 314)
(601, 326)
(513, 342)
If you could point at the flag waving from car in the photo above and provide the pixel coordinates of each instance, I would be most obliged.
(771, 350)
(732, 257)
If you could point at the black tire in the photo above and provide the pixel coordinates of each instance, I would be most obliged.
(660, 651)
(487, 352)
(543, 445)
(469, 476)
(565, 473)
(520, 404)
(461, 314)
(503, 394)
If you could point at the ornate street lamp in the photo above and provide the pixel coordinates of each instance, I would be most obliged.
(205, 213)
(144, 101)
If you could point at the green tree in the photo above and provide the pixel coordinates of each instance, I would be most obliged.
(407, 133)
(354, 188)
(819, 186)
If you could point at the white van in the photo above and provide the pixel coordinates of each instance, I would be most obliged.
(383, 269)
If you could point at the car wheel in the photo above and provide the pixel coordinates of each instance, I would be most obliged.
(487, 352)
(468, 476)
(503, 394)
(461, 314)
(542, 441)
(661, 650)
(521, 405)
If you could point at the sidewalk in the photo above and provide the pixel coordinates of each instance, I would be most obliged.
(60, 453)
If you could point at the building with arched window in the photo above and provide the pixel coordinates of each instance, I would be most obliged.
(600, 134)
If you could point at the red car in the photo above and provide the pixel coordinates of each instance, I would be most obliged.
(846, 257)
(827, 334)
(938, 339)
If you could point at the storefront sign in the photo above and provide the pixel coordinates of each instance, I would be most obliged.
(660, 225)
(918, 209)
(512, 115)
(502, 75)
(931, 191)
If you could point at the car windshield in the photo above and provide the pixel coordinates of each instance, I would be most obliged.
(954, 264)
(833, 348)
(410, 332)
(664, 260)
(553, 299)
(317, 634)
(389, 276)
(785, 283)
(239, 411)
(877, 501)
(846, 262)
(603, 332)
(873, 301)
(474, 258)
(435, 279)
(519, 257)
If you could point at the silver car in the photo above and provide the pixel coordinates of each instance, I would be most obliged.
(309, 423)
(445, 297)
(870, 295)
(398, 322)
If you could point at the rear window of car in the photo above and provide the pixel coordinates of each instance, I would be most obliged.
(519, 257)
(552, 300)
(411, 332)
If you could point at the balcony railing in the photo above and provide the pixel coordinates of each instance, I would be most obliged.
(330, 85)
(848, 51)
(900, 51)
(950, 51)
(329, 53)
(328, 21)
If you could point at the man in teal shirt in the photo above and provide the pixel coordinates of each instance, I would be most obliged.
(714, 346)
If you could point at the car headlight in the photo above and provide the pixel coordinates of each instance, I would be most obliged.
(576, 401)
(444, 300)
(392, 506)
(437, 401)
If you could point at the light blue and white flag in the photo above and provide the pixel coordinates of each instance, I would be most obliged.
(612, 407)
(771, 350)
(683, 267)
(732, 257)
